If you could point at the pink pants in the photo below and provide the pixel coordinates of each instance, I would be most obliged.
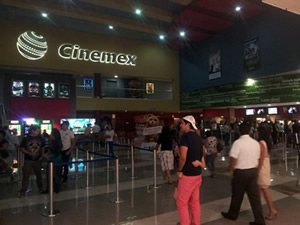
(188, 198)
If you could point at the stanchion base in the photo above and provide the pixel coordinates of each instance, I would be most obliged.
(47, 214)
(85, 187)
(117, 201)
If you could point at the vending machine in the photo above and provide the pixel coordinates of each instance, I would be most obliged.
(15, 124)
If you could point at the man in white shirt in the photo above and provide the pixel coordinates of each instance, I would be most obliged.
(68, 141)
(109, 139)
(244, 157)
(96, 129)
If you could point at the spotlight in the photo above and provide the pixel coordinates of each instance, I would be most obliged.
(138, 11)
(238, 8)
(161, 37)
(44, 15)
(116, 76)
(182, 33)
(110, 27)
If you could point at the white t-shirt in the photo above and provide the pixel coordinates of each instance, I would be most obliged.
(96, 129)
(111, 135)
(247, 152)
(66, 137)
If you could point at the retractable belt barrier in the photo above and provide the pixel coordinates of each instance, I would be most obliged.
(52, 212)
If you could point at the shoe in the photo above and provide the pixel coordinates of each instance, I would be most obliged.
(227, 216)
(272, 216)
(254, 223)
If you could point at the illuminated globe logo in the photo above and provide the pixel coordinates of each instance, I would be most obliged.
(31, 45)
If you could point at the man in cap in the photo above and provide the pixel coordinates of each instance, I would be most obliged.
(189, 172)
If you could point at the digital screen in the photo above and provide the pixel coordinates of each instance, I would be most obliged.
(49, 90)
(292, 110)
(17, 127)
(78, 125)
(29, 121)
(64, 90)
(17, 88)
(46, 127)
(260, 111)
(272, 110)
(33, 89)
(88, 84)
(249, 112)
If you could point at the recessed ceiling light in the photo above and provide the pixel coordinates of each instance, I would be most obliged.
(44, 15)
(111, 27)
(297, 103)
(161, 37)
(238, 8)
(116, 76)
(182, 33)
(138, 11)
(269, 104)
(245, 106)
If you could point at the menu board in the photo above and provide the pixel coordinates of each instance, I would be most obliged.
(275, 89)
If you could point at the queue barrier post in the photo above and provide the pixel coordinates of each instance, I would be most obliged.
(154, 169)
(132, 161)
(117, 200)
(51, 212)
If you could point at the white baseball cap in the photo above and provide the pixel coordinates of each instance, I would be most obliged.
(191, 120)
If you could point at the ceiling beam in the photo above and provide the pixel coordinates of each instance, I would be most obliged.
(130, 6)
(77, 13)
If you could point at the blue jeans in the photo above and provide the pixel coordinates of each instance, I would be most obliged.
(111, 148)
(210, 162)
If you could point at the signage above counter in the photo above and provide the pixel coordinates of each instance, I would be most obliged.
(267, 90)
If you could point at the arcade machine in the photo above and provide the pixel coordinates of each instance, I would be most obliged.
(27, 122)
(15, 124)
(46, 125)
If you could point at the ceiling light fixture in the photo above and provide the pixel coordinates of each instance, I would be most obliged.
(110, 27)
(116, 76)
(182, 33)
(138, 11)
(238, 8)
(44, 15)
(161, 37)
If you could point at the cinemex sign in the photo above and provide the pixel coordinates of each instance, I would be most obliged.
(33, 46)
(70, 51)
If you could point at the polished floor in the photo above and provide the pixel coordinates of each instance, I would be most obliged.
(141, 203)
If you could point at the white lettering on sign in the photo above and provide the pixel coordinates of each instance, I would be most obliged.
(70, 51)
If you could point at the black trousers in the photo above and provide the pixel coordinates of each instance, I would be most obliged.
(246, 181)
(65, 158)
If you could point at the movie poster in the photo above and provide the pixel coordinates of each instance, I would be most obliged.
(214, 68)
(49, 90)
(64, 90)
(34, 89)
(17, 88)
(251, 55)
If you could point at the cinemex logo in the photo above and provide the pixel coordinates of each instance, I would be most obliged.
(70, 51)
(31, 45)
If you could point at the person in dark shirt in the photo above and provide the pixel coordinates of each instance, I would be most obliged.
(54, 155)
(189, 175)
(5, 157)
(167, 156)
(32, 147)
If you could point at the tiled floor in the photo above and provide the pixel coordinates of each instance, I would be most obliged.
(142, 204)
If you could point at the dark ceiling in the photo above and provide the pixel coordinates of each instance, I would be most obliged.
(199, 19)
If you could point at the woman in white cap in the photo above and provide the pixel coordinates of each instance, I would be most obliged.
(190, 178)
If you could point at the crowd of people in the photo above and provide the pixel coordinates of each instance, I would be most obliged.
(249, 166)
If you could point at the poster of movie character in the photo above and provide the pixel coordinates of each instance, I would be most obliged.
(88, 84)
(64, 90)
(214, 68)
(17, 88)
(49, 90)
(251, 55)
(33, 89)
